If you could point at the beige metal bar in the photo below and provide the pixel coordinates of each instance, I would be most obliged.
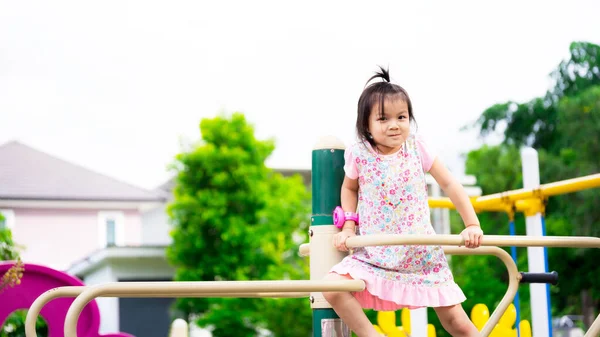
(184, 289)
(594, 330)
(304, 249)
(514, 278)
(179, 289)
(60, 292)
(488, 240)
(43, 299)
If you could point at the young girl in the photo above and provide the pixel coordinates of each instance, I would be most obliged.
(385, 184)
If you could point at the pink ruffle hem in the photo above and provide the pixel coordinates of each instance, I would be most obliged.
(388, 295)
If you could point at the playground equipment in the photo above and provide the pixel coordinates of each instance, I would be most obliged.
(327, 171)
(179, 328)
(386, 324)
(40, 281)
(504, 328)
(449, 243)
(531, 201)
(524, 200)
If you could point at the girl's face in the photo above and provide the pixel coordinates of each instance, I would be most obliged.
(391, 130)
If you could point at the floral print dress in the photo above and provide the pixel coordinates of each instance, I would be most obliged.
(392, 199)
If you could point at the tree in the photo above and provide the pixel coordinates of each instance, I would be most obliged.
(535, 122)
(577, 128)
(14, 325)
(236, 219)
(563, 126)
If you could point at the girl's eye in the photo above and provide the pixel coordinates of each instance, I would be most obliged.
(382, 119)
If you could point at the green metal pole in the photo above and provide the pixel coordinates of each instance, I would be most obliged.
(327, 177)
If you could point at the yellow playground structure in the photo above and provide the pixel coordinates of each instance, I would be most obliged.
(386, 323)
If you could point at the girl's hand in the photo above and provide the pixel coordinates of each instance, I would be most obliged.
(472, 236)
(339, 239)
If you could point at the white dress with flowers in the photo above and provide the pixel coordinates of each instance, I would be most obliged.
(392, 199)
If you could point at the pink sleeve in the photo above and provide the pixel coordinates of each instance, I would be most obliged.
(350, 164)
(426, 153)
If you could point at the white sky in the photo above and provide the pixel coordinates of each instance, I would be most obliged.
(116, 85)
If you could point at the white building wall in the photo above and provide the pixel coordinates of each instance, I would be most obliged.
(155, 227)
(109, 306)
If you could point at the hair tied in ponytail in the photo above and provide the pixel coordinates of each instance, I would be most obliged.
(384, 74)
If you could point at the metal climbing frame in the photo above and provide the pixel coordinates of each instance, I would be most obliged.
(327, 175)
(450, 244)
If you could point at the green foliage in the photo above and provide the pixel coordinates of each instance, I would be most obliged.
(8, 249)
(535, 122)
(8, 252)
(236, 219)
(14, 326)
(578, 126)
(563, 126)
(492, 165)
(580, 72)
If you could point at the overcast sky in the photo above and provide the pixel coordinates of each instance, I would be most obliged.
(116, 86)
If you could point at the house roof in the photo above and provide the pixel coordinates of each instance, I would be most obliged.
(29, 174)
(153, 257)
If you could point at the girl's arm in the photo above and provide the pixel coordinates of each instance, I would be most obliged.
(455, 191)
(349, 200)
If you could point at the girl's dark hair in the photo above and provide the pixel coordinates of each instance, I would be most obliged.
(377, 93)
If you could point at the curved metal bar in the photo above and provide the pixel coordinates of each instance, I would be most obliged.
(488, 240)
(594, 329)
(184, 289)
(180, 289)
(514, 277)
(304, 249)
(42, 300)
(513, 280)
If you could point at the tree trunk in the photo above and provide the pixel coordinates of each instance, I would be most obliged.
(587, 307)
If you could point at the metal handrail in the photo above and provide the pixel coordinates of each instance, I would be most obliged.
(198, 289)
(182, 289)
(488, 240)
(514, 277)
(74, 291)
